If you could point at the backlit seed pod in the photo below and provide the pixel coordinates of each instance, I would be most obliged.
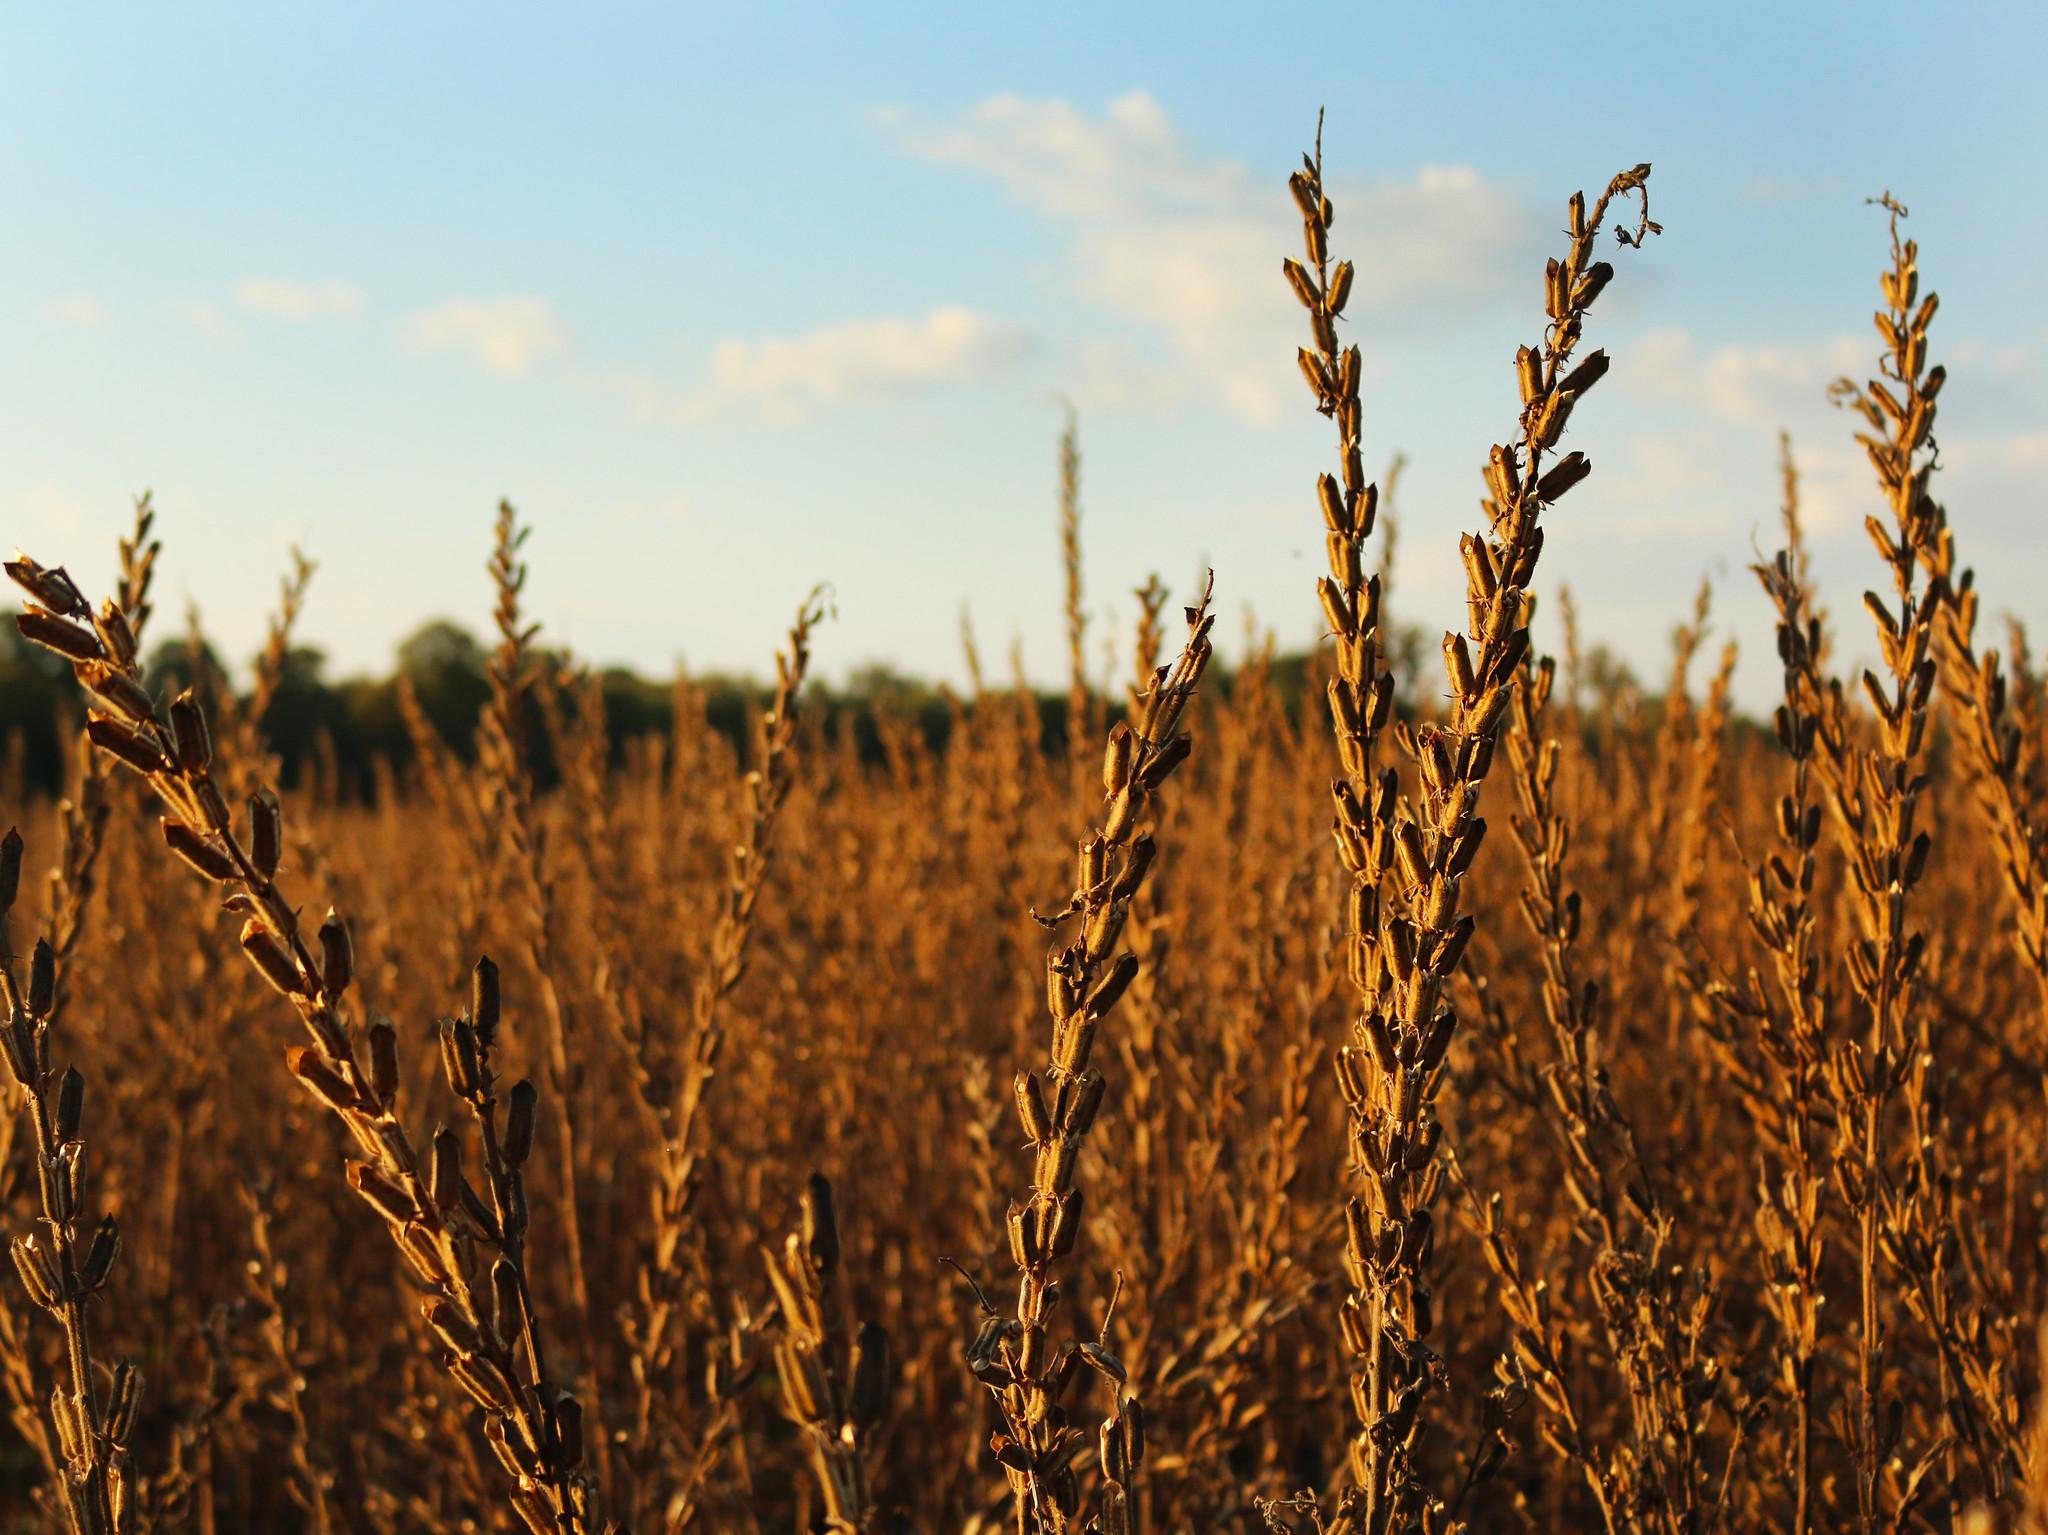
(1592, 285)
(1529, 373)
(819, 1223)
(1586, 374)
(508, 1311)
(1562, 476)
(1161, 764)
(444, 1175)
(70, 1422)
(99, 1257)
(1031, 1107)
(124, 1401)
(868, 1399)
(391, 1201)
(1116, 760)
(52, 588)
(1304, 285)
(1340, 288)
(42, 979)
(1111, 1441)
(1113, 985)
(118, 689)
(454, 1329)
(1458, 665)
(481, 1380)
(1104, 926)
(1132, 1417)
(17, 1038)
(117, 740)
(1082, 1108)
(67, 639)
(483, 1000)
(266, 833)
(70, 1103)
(38, 1276)
(1023, 1229)
(197, 851)
(190, 738)
(519, 1119)
(268, 955)
(1336, 611)
(383, 1060)
(311, 1068)
(1137, 863)
(1123, 809)
(569, 1430)
(1066, 1225)
(115, 633)
(1331, 496)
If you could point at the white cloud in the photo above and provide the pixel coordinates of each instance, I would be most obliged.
(864, 357)
(81, 310)
(1771, 385)
(508, 334)
(1189, 245)
(299, 300)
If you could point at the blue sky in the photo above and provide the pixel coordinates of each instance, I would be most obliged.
(733, 300)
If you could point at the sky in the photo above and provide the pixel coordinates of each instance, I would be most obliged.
(730, 301)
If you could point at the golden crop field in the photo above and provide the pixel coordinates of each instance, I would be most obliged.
(1164, 1108)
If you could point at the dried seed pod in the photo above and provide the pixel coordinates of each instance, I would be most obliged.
(266, 833)
(383, 1060)
(1116, 760)
(197, 851)
(391, 1201)
(508, 1310)
(99, 1257)
(455, 1329)
(190, 738)
(483, 1001)
(42, 979)
(72, 641)
(123, 1402)
(1031, 1107)
(519, 1117)
(459, 1059)
(444, 1174)
(268, 955)
(868, 1398)
(1132, 1416)
(70, 1103)
(568, 1415)
(38, 1275)
(313, 1069)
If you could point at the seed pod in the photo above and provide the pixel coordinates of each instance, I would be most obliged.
(268, 955)
(459, 1058)
(384, 1061)
(1066, 1224)
(266, 833)
(1137, 863)
(1590, 287)
(1111, 1440)
(124, 1401)
(10, 869)
(118, 689)
(1586, 374)
(1086, 1100)
(1529, 373)
(70, 1104)
(392, 1202)
(99, 1258)
(1116, 760)
(455, 1329)
(1340, 288)
(197, 851)
(52, 588)
(1113, 985)
(18, 1039)
(72, 641)
(42, 979)
(483, 1001)
(519, 1118)
(312, 1068)
(38, 1277)
(1165, 760)
(1133, 1418)
(189, 735)
(1023, 1231)
(444, 1176)
(568, 1416)
(117, 740)
(508, 1311)
(1563, 475)
(1031, 1107)
(868, 1399)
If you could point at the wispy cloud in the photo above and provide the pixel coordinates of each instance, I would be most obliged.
(299, 300)
(508, 335)
(81, 310)
(856, 358)
(1188, 245)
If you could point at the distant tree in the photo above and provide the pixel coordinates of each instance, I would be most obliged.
(444, 665)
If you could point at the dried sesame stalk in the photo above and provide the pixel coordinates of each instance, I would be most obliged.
(838, 1398)
(436, 1220)
(1401, 958)
(1085, 978)
(61, 1268)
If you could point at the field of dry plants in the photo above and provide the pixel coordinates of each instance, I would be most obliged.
(1060, 1131)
